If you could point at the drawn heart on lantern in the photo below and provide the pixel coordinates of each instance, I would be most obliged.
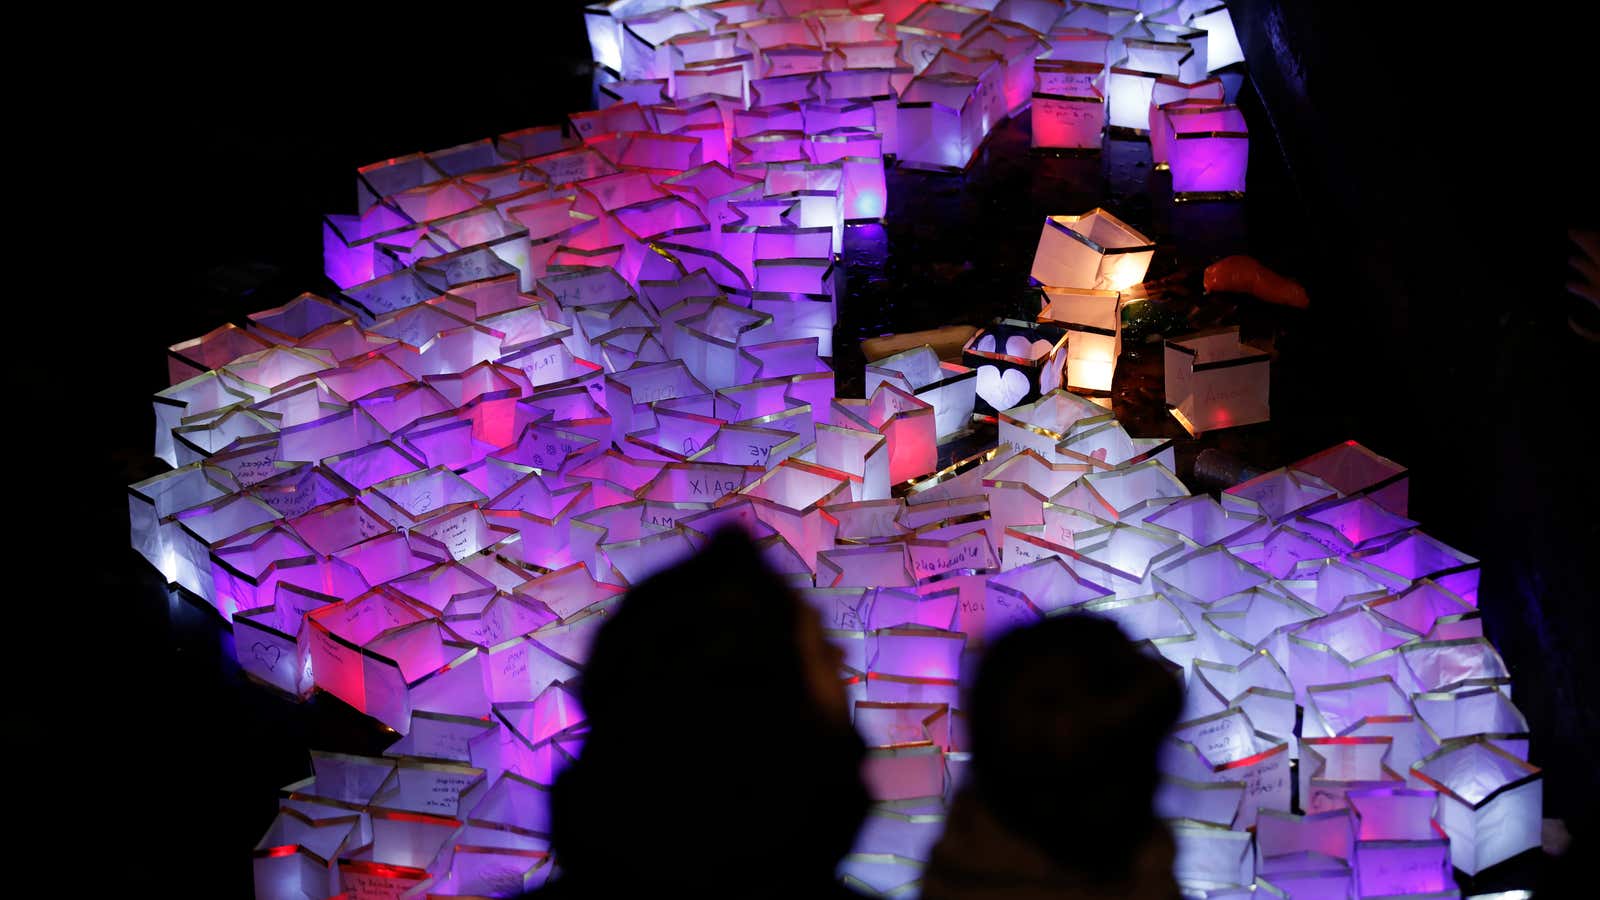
(1020, 347)
(928, 53)
(1001, 390)
(266, 655)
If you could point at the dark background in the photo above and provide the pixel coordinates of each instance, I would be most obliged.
(1417, 175)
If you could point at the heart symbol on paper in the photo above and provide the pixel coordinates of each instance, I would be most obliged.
(1020, 347)
(1001, 390)
(266, 655)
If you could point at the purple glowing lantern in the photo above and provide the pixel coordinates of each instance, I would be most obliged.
(1490, 802)
(1400, 848)
(1207, 149)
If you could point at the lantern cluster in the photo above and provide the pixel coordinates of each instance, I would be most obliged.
(561, 358)
(937, 77)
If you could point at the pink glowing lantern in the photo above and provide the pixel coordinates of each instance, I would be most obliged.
(1490, 802)
(1214, 380)
(1352, 468)
(908, 424)
(1069, 108)
(1288, 843)
(790, 498)
(1168, 90)
(904, 773)
(858, 453)
(1400, 849)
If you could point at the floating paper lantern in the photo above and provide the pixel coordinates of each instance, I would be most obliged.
(951, 389)
(1132, 80)
(940, 122)
(1093, 320)
(1016, 362)
(1069, 108)
(1214, 380)
(1351, 468)
(1400, 849)
(1490, 802)
(1207, 149)
(1094, 251)
(908, 424)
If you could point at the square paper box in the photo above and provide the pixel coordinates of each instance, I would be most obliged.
(1095, 251)
(1093, 320)
(1208, 152)
(1490, 802)
(1069, 105)
(1214, 380)
(1352, 468)
(1400, 848)
(950, 388)
(940, 121)
(1016, 362)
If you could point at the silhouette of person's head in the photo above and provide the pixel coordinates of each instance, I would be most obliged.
(1067, 717)
(720, 756)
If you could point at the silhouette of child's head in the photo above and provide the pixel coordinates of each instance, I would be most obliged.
(719, 745)
(1066, 720)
